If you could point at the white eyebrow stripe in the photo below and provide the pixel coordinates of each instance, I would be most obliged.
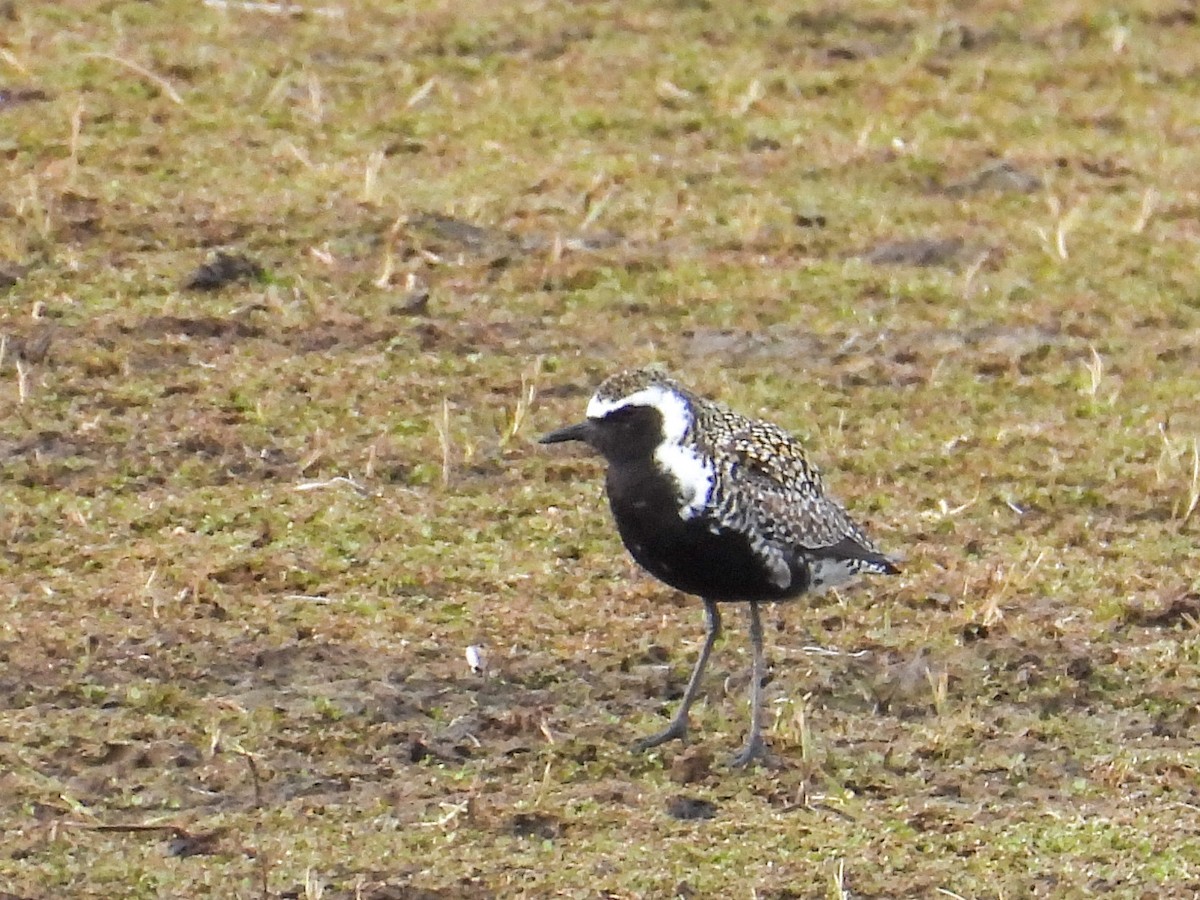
(692, 473)
(677, 417)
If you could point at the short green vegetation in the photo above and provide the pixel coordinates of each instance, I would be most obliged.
(249, 528)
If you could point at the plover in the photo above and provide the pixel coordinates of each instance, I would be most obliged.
(718, 505)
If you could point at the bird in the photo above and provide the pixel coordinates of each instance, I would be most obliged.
(721, 506)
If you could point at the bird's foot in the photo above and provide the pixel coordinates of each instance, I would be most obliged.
(677, 730)
(755, 750)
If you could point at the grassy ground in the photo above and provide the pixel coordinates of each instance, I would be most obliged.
(248, 533)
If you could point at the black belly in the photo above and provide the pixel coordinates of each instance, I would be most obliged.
(688, 554)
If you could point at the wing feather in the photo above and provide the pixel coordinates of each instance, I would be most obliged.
(783, 493)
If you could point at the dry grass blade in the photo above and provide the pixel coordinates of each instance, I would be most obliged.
(837, 882)
(137, 68)
(939, 685)
(336, 481)
(526, 400)
(255, 777)
(443, 431)
(468, 215)
(24, 375)
(1146, 212)
(76, 130)
(278, 9)
(1095, 370)
(371, 178)
(9, 57)
(421, 94)
(1193, 493)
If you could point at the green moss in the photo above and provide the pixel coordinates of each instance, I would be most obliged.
(204, 628)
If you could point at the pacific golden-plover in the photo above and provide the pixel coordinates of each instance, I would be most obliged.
(718, 505)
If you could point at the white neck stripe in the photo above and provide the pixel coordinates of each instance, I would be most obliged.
(692, 473)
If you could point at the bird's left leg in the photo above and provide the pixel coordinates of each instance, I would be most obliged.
(678, 728)
(755, 747)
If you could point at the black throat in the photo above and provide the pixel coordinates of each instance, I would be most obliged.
(628, 435)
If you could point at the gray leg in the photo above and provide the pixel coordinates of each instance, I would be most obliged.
(755, 747)
(679, 725)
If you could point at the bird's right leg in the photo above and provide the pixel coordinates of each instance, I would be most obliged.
(756, 747)
(679, 725)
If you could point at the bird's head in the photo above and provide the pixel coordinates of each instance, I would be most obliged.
(631, 415)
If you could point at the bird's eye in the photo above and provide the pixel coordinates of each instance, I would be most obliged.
(620, 414)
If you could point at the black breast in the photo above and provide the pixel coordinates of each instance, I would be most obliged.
(691, 555)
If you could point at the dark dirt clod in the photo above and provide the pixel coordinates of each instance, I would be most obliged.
(534, 824)
(414, 303)
(763, 144)
(464, 235)
(32, 348)
(916, 252)
(689, 808)
(1179, 610)
(196, 327)
(202, 844)
(1081, 668)
(17, 96)
(974, 631)
(1001, 177)
(693, 765)
(222, 269)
